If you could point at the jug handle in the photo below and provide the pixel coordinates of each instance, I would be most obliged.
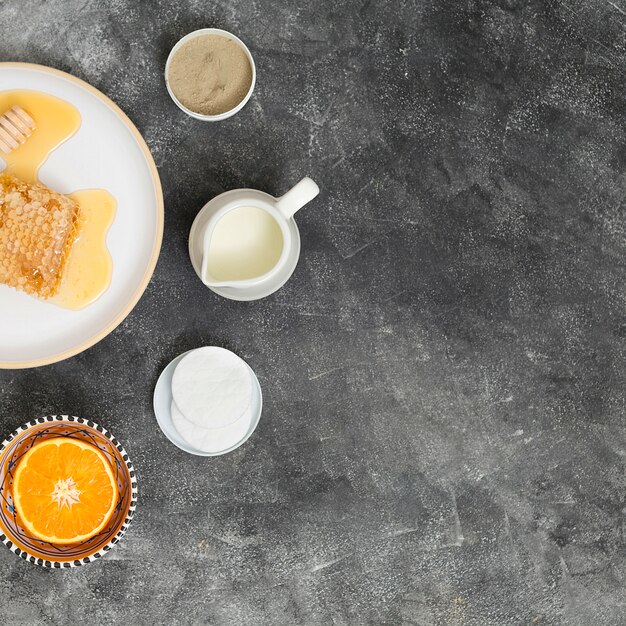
(297, 197)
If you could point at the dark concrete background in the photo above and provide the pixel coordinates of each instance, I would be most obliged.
(443, 440)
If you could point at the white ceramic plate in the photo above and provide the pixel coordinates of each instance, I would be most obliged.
(162, 402)
(107, 152)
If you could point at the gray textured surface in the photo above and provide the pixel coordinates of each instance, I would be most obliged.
(443, 440)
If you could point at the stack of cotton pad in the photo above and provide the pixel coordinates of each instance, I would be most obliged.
(212, 399)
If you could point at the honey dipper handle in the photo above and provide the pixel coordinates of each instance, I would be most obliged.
(16, 126)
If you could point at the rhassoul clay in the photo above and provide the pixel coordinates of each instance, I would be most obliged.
(210, 74)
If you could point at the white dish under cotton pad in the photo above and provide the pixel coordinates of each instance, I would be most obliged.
(212, 387)
(162, 402)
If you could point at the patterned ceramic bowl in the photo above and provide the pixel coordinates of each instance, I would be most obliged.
(63, 556)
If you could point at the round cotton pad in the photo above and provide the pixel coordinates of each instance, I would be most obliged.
(212, 387)
(212, 440)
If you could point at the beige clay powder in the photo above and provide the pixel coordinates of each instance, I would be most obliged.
(210, 74)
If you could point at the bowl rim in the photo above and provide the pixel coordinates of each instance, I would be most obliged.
(6, 540)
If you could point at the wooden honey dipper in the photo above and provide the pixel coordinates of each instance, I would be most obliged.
(16, 127)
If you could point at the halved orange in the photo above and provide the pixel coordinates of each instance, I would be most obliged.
(64, 490)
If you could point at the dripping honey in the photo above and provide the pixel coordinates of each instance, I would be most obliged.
(89, 267)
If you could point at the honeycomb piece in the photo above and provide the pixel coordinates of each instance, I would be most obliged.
(37, 229)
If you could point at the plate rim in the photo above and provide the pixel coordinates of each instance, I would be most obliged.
(158, 240)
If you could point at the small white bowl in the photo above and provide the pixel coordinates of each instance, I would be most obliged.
(227, 35)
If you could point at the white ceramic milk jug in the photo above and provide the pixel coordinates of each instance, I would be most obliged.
(245, 244)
